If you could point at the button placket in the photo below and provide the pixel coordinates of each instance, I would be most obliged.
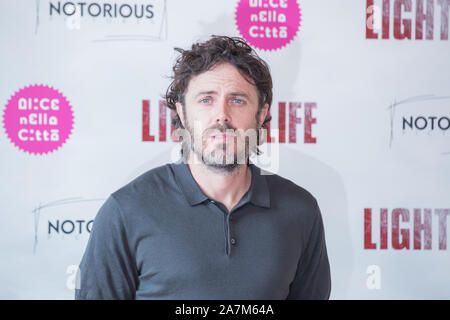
(226, 219)
(227, 235)
(230, 240)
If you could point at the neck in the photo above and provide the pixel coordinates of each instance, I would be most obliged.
(221, 185)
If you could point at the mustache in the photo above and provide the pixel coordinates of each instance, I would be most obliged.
(222, 127)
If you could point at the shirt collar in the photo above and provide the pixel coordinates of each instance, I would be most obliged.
(258, 193)
(259, 189)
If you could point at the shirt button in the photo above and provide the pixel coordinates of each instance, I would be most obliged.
(233, 241)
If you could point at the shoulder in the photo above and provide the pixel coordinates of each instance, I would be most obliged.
(294, 200)
(288, 190)
(145, 184)
(146, 190)
(298, 206)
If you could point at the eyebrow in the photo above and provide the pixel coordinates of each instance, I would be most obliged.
(235, 94)
(205, 92)
(240, 94)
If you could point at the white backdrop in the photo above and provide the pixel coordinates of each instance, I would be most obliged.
(365, 156)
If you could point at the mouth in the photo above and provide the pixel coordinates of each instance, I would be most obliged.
(224, 136)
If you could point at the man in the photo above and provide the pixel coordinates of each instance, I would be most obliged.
(210, 226)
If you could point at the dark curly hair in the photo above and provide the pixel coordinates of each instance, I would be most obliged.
(203, 56)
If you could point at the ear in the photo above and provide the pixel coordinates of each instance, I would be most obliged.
(180, 112)
(263, 114)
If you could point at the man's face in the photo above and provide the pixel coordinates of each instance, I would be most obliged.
(221, 105)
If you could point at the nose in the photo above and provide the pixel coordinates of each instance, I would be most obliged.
(223, 112)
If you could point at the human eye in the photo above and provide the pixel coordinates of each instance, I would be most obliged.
(206, 100)
(238, 101)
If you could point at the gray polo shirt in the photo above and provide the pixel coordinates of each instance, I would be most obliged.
(161, 237)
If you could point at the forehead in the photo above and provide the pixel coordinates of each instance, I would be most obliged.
(222, 78)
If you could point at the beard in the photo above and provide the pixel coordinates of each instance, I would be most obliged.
(221, 156)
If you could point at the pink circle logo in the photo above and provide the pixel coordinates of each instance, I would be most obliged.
(38, 119)
(268, 24)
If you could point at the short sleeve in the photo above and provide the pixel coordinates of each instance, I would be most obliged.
(313, 280)
(108, 268)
